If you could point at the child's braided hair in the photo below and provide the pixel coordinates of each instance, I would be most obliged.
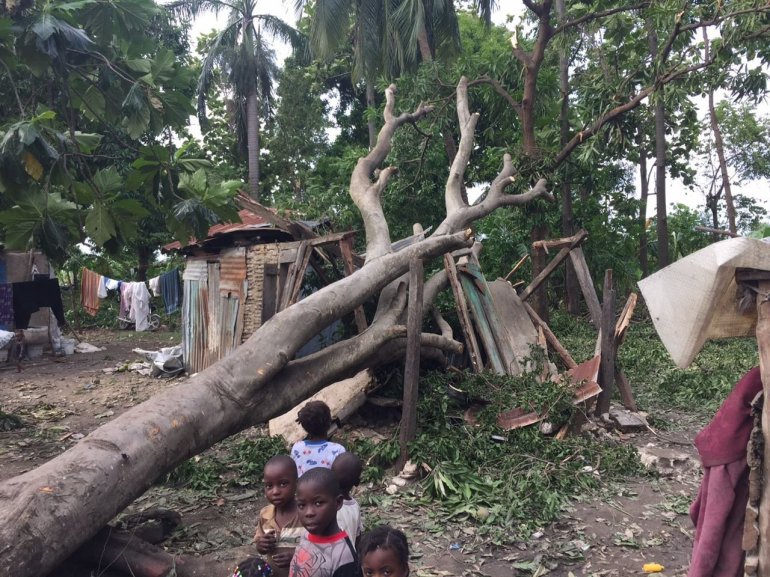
(253, 567)
(385, 537)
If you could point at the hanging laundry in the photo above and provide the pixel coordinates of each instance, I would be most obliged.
(140, 306)
(125, 299)
(111, 284)
(171, 289)
(102, 292)
(154, 286)
(30, 296)
(89, 291)
(6, 304)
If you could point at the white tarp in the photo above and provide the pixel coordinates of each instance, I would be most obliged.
(695, 298)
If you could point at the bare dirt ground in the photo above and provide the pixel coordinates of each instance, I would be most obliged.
(611, 533)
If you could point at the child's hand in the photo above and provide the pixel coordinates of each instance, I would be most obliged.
(266, 542)
(282, 559)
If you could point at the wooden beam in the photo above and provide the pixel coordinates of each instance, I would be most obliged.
(621, 326)
(716, 231)
(463, 314)
(607, 369)
(300, 274)
(551, 266)
(551, 338)
(586, 285)
(517, 266)
(763, 343)
(408, 428)
(347, 258)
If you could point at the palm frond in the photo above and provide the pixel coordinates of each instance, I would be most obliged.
(485, 9)
(445, 26)
(188, 9)
(330, 25)
(217, 53)
(277, 28)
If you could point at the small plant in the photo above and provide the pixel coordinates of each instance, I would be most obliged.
(198, 473)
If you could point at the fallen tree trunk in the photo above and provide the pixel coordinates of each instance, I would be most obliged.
(45, 514)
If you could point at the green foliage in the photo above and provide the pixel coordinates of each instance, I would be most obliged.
(199, 474)
(376, 456)
(519, 483)
(247, 457)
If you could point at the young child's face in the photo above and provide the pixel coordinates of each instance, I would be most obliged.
(280, 483)
(383, 563)
(318, 508)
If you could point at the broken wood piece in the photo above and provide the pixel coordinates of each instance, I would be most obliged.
(554, 243)
(463, 314)
(543, 344)
(716, 231)
(124, 553)
(343, 397)
(575, 241)
(624, 320)
(586, 285)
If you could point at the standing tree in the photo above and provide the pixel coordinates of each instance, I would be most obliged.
(241, 51)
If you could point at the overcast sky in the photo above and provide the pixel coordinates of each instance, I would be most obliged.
(676, 191)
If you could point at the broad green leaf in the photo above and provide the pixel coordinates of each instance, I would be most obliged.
(107, 181)
(88, 142)
(100, 225)
(139, 65)
(32, 165)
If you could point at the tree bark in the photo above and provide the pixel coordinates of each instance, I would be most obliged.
(45, 514)
(370, 103)
(644, 189)
(252, 140)
(720, 148)
(660, 159)
(571, 287)
(143, 253)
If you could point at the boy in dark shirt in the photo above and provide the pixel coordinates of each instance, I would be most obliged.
(326, 551)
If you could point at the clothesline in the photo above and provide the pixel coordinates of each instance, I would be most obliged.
(134, 296)
(19, 300)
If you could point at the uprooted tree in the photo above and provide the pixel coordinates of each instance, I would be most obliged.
(46, 513)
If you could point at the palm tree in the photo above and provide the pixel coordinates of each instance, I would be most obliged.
(242, 54)
(389, 37)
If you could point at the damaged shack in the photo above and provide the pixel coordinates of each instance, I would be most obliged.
(243, 273)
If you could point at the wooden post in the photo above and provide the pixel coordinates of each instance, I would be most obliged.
(763, 343)
(607, 368)
(347, 258)
(551, 338)
(407, 430)
(586, 285)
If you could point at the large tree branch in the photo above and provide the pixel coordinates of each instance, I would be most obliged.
(365, 193)
(467, 122)
(598, 15)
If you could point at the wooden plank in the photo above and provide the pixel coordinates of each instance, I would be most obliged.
(621, 327)
(551, 338)
(503, 347)
(300, 278)
(270, 291)
(763, 343)
(481, 321)
(463, 314)
(347, 258)
(551, 266)
(520, 329)
(287, 287)
(587, 285)
(408, 428)
(607, 371)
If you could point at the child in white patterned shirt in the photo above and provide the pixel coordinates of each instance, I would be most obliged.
(316, 450)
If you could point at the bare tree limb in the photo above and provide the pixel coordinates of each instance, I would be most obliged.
(467, 121)
(365, 194)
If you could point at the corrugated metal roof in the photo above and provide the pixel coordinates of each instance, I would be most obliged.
(249, 221)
